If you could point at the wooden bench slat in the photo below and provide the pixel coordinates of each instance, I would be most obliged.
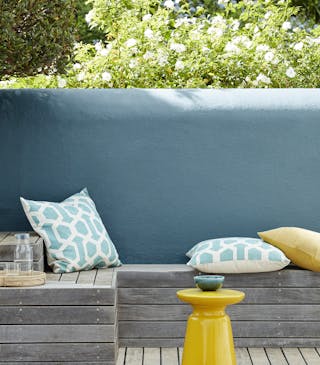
(57, 352)
(59, 295)
(258, 356)
(57, 315)
(71, 277)
(310, 355)
(134, 356)
(259, 312)
(276, 356)
(169, 356)
(56, 333)
(243, 357)
(293, 356)
(87, 277)
(104, 277)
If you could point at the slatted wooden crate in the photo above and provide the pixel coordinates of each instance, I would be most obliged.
(280, 309)
(8, 244)
(71, 319)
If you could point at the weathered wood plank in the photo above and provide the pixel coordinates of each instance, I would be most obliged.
(276, 342)
(151, 356)
(53, 277)
(258, 356)
(57, 352)
(121, 356)
(59, 295)
(58, 363)
(3, 235)
(169, 356)
(57, 315)
(276, 356)
(71, 277)
(293, 356)
(87, 277)
(180, 355)
(151, 342)
(55, 333)
(310, 355)
(104, 277)
(134, 356)
(172, 312)
(243, 357)
(253, 295)
(242, 329)
(165, 278)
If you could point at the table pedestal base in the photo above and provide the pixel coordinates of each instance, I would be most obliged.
(209, 339)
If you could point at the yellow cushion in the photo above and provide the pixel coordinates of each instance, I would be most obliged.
(300, 245)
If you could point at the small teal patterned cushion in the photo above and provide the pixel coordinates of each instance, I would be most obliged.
(236, 255)
(73, 232)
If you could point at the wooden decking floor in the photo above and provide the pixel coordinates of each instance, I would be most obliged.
(245, 356)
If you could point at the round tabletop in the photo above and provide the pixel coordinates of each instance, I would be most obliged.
(218, 297)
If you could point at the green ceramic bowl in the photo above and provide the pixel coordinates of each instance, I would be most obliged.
(209, 282)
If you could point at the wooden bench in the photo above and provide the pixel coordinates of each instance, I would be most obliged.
(72, 319)
(84, 317)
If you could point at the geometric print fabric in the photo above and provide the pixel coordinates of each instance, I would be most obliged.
(236, 255)
(74, 234)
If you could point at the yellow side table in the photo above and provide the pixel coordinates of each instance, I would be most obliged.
(209, 339)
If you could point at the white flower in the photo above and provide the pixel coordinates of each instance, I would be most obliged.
(269, 56)
(180, 21)
(169, 4)
(256, 29)
(179, 65)
(148, 33)
(286, 26)
(268, 14)
(195, 35)
(81, 76)
(232, 48)
(146, 17)
(89, 16)
(131, 42)
(133, 63)
(104, 52)
(178, 47)
(162, 60)
(291, 72)
(148, 55)
(223, 2)
(218, 20)
(98, 46)
(298, 46)
(218, 32)
(205, 49)
(235, 25)
(76, 66)
(106, 76)
(61, 82)
(263, 78)
(262, 48)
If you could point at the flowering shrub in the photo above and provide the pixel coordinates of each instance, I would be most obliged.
(195, 43)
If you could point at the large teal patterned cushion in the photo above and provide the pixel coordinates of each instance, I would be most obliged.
(73, 232)
(236, 255)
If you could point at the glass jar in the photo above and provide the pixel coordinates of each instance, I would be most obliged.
(23, 255)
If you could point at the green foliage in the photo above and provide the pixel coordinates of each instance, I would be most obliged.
(311, 7)
(35, 35)
(152, 43)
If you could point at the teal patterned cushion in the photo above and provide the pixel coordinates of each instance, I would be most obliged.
(73, 232)
(236, 255)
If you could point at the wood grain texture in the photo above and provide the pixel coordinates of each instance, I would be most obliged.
(275, 356)
(56, 333)
(176, 312)
(57, 315)
(71, 277)
(151, 356)
(104, 277)
(87, 277)
(58, 294)
(253, 295)
(310, 355)
(258, 356)
(134, 356)
(293, 356)
(243, 357)
(169, 356)
(57, 352)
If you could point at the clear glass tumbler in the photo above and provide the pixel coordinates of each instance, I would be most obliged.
(23, 254)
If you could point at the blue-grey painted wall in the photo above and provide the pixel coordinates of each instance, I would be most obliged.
(166, 168)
